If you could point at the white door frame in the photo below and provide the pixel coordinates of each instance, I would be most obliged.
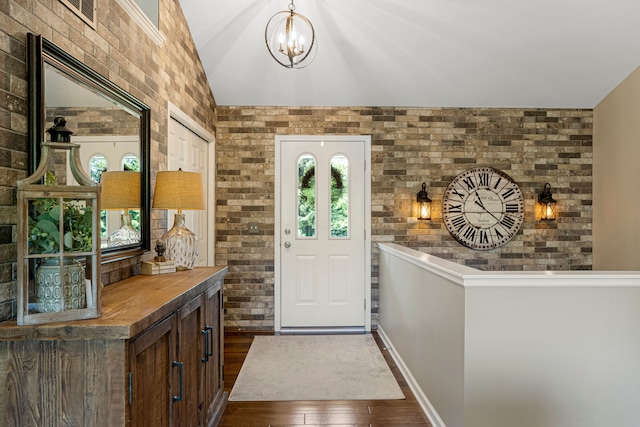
(210, 186)
(366, 140)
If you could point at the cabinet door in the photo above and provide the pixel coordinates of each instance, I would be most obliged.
(188, 411)
(150, 358)
(213, 379)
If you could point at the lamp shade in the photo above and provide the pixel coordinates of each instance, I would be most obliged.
(179, 190)
(120, 190)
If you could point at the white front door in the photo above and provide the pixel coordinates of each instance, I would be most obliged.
(324, 270)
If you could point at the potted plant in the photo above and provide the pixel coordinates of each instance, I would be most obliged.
(44, 229)
(44, 237)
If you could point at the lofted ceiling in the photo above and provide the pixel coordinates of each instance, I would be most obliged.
(428, 53)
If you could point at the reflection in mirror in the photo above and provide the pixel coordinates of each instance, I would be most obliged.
(112, 128)
(121, 195)
(109, 140)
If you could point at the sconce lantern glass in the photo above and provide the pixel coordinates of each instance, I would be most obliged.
(548, 204)
(424, 203)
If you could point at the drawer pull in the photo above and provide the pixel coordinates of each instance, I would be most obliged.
(179, 365)
(207, 336)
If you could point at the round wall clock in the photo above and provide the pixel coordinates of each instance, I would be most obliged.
(483, 208)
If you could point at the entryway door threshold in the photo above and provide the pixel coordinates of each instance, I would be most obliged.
(322, 331)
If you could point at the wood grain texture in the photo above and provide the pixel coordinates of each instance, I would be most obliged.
(150, 357)
(190, 353)
(77, 373)
(128, 307)
(214, 391)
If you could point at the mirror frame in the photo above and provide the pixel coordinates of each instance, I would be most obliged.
(41, 50)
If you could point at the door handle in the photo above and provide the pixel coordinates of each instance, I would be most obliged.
(208, 343)
(287, 245)
(179, 365)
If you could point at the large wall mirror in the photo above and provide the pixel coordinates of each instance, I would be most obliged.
(113, 130)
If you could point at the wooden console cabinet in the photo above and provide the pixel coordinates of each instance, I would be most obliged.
(154, 358)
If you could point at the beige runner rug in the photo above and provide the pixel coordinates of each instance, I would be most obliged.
(315, 367)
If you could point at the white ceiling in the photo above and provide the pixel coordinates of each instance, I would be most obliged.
(430, 53)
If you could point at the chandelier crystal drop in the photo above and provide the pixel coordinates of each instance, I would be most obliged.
(291, 39)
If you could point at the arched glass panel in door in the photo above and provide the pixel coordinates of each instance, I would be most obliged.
(306, 217)
(339, 196)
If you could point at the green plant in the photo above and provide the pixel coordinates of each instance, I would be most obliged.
(44, 231)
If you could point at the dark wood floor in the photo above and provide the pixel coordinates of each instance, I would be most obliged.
(387, 413)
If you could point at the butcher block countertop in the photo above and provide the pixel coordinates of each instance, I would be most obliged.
(128, 307)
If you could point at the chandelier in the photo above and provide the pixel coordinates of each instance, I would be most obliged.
(291, 39)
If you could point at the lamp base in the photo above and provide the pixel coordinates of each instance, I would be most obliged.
(125, 235)
(181, 244)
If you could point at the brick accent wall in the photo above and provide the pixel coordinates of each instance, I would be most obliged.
(409, 146)
(119, 50)
(96, 121)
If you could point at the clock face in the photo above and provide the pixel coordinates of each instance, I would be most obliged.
(483, 208)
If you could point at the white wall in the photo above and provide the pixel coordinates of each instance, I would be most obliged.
(424, 315)
(552, 356)
(539, 349)
(616, 178)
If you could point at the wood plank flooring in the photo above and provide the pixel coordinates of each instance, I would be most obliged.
(352, 413)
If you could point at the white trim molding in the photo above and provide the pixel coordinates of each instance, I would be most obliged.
(175, 113)
(142, 20)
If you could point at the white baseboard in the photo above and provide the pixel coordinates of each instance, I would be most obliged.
(422, 399)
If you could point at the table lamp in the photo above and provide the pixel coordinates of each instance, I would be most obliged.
(179, 190)
(121, 191)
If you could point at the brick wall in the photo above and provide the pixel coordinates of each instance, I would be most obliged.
(95, 121)
(119, 50)
(409, 146)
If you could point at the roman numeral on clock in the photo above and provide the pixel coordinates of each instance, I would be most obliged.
(469, 181)
(459, 223)
(495, 187)
(484, 237)
(508, 193)
(511, 207)
(508, 222)
(470, 233)
(455, 191)
(483, 179)
(455, 208)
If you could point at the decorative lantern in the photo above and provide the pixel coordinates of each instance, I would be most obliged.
(58, 241)
(547, 204)
(424, 203)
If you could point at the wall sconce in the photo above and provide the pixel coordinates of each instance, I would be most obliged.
(548, 204)
(424, 203)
